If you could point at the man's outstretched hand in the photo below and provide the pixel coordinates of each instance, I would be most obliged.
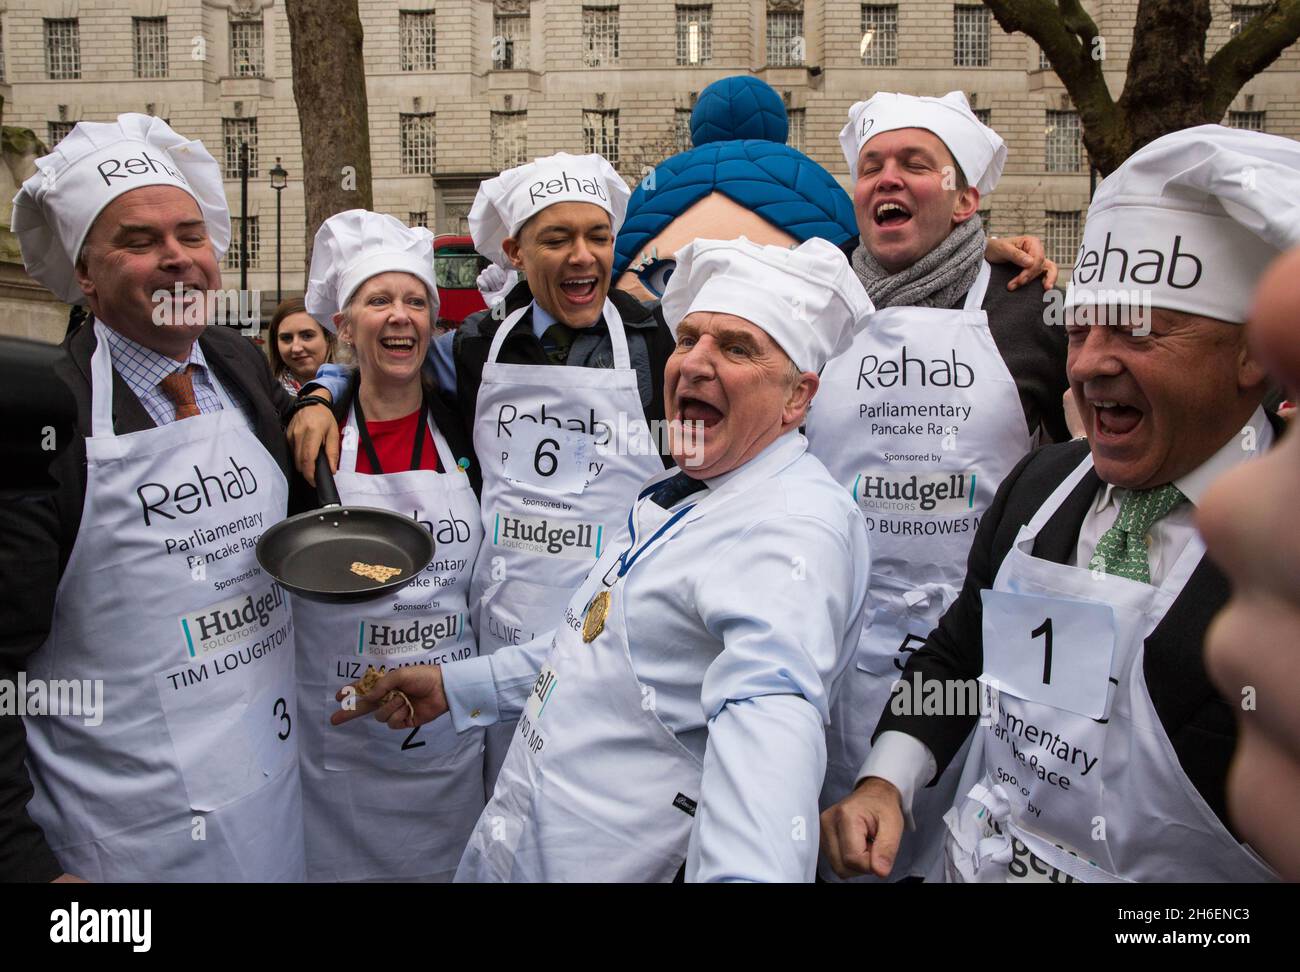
(422, 684)
(860, 834)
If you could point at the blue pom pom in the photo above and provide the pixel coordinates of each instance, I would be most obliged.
(739, 107)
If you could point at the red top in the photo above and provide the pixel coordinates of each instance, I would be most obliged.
(394, 441)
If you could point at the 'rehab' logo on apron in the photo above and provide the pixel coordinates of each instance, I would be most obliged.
(934, 494)
(230, 622)
(555, 538)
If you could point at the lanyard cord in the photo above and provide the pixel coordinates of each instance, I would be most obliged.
(417, 451)
(624, 563)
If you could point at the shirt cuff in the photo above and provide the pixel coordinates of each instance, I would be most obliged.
(471, 692)
(904, 761)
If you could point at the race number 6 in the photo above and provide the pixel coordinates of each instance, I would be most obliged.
(541, 455)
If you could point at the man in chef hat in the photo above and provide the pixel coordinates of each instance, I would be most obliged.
(675, 717)
(957, 378)
(1102, 749)
(560, 451)
(121, 577)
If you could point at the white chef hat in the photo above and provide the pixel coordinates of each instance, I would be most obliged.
(505, 203)
(1190, 221)
(94, 164)
(807, 298)
(353, 246)
(978, 149)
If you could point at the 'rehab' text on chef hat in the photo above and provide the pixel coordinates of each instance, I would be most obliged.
(505, 203)
(978, 149)
(94, 164)
(807, 298)
(353, 246)
(1190, 222)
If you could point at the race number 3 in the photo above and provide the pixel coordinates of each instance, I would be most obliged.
(1049, 650)
(281, 709)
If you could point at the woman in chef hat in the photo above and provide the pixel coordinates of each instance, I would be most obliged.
(381, 805)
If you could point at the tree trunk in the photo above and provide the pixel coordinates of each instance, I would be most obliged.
(329, 86)
(1169, 84)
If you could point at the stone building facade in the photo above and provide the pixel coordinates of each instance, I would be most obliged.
(461, 88)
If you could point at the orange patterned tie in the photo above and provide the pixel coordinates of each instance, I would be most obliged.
(179, 387)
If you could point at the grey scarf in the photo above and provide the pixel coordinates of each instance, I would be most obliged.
(939, 279)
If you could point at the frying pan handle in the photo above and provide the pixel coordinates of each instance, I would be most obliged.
(326, 491)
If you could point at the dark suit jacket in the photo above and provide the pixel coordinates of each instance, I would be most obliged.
(1199, 723)
(37, 533)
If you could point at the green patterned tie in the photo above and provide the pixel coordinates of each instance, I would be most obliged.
(556, 340)
(1122, 550)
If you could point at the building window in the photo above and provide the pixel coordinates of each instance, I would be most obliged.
(1242, 14)
(785, 43)
(600, 133)
(1064, 142)
(879, 45)
(254, 244)
(970, 42)
(57, 130)
(1063, 234)
(62, 50)
(986, 221)
(695, 35)
(599, 36)
(1043, 63)
(246, 59)
(418, 218)
(682, 129)
(234, 131)
(149, 44)
(419, 143)
(509, 139)
(795, 138)
(417, 40)
(2, 51)
(510, 42)
(1252, 121)
(984, 115)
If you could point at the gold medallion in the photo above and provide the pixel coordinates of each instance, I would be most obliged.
(594, 623)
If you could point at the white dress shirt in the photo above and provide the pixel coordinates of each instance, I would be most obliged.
(908, 763)
(739, 626)
(143, 369)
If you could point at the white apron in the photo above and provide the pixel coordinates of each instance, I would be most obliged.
(595, 787)
(1072, 777)
(382, 804)
(539, 540)
(920, 412)
(193, 774)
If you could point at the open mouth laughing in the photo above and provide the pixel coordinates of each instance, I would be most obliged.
(892, 214)
(579, 290)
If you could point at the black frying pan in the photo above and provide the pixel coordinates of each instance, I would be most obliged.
(311, 554)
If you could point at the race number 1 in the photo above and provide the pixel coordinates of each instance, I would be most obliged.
(1049, 650)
